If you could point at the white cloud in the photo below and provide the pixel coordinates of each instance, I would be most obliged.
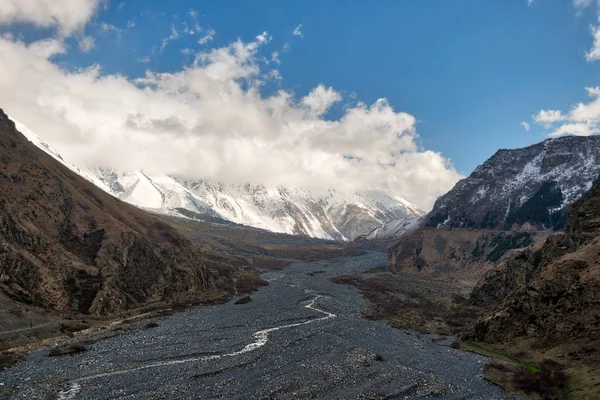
(530, 2)
(547, 117)
(47, 48)
(86, 44)
(194, 16)
(582, 4)
(144, 59)
(275, 57)
(131, 23)
(582, 120)
(577, 129)
(211, 121)
(320, 99)
(109, 28)
(263, 38)
(298, 31)
(594, 53)
(174, 35)
(525, 126)
(208, 36)
(67, 16)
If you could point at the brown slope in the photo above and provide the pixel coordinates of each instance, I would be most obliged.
(66, 244)
(550, 292)
(456, 254)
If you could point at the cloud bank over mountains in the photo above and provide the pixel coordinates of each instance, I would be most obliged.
(210, 120)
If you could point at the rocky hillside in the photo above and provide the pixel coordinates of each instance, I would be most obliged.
(550, 291)
(463, 255)
(332, 215)
(514, 199)
(67, 245)
(522, 189)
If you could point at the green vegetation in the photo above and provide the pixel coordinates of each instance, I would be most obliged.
(488, 352)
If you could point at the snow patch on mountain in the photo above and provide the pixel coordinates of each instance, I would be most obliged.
(396, 229)
(510, 178)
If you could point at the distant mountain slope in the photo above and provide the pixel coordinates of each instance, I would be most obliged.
(550, 292)
(67, 245)
(514, 199)
(529, 186)
(337, 216)
(395, 229)
(334, 215)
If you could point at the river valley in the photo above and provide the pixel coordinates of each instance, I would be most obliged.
(301, 337)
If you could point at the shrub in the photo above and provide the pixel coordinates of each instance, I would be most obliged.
(244, 300)
(8, 359)
(67, 349)
(548, 382)
(151, 325)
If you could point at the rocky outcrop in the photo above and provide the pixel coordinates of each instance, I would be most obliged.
(550, 291)
(67, 245)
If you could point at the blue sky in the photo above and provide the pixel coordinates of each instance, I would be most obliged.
(466, 73)
(470, 71)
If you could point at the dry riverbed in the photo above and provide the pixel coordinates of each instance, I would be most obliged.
(302, 336)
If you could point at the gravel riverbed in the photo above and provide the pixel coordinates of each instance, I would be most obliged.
(301, 337)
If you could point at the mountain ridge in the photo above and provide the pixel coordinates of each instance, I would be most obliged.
(492, 195)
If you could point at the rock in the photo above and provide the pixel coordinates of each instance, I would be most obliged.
(244, 300)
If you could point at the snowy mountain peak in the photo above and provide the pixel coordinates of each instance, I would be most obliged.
(335, 215)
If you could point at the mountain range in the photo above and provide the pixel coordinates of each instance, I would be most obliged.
(333, 215)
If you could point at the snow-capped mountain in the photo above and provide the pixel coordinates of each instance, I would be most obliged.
(522, 188)
(395, 229)
(333, 215)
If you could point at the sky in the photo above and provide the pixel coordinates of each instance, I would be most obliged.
(402, 96)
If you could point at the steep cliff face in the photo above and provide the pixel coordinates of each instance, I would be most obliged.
(550, 291)
(67, 245)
